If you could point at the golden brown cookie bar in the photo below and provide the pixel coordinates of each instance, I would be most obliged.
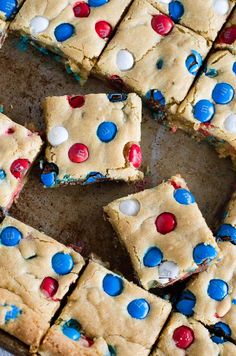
(108, 306)
(205, 17)
(209, 110)
(161, 65)
(78, 31)
(188, 337)
(164, 233)
(92, 138)
(18, 149)
(211, 297)
(227, 37)
(36, 273)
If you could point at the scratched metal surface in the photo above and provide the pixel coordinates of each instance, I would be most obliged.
(75, 213)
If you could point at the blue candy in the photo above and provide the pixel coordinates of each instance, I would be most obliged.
(156, 96)
(234, 68)
(10, 236)
(2, 175)
(117, 97)
(97, 3)
(112, 351)
(64, 31)
(203, 253)
(13, 313)
(217, 289)
(176, 10)
(48, 179)
(234, 301)
(193, 62)
(138, 309)
(62, 263)
(160, 64)
(223, 93)
(94, 177)
(204, 110)
(8, 7)
(186, 303)
(112, 285)
(71, 329)
(223, 328)
(106, 131)
(153, 257)
(218, 339)
(211, 72)
(184, 196)
(227, 232)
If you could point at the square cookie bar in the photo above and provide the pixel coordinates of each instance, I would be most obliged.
(211, 297)
(209, 110)
(164, 232)
(76, 30)
(18, 149)
(161, 65)
(108, 306)
(36, 272)
(92, 138)
(184, 336)
(205, 17)
(227, 37)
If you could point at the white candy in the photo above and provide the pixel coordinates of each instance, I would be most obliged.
(221, 7)
(165, 1)
(124, 60)
(57, 135)
(130, 207)
(39, 24)
(230, 123)
(168, 270)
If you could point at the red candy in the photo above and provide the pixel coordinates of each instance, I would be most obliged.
(175, 185)
(87, 342)
(81, 9)
(76, 101)
(162, 24)
(49, 286)
(103, 29)
(135, 156)
(19, 167)
(78, 153)
(183, 337)
(228, 35)
(116, 81)
(165, 223)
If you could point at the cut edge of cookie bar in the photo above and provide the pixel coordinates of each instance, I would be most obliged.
(19, 316)
(81, 69)
(129, 105)
(19, 169)
(122, 213)
(111, 291)
(217, 136)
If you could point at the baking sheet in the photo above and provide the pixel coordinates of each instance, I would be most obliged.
(74, 213)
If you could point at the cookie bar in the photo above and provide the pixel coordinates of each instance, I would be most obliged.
(18, 149)
(108, 306)
(164, 232)
(76, 30)
(211, 297)
(8, 9)
(184, 336)
(209, 110)
(36, 272)
(161, 65)
(206, 17)
(92, 138)
(227, 37)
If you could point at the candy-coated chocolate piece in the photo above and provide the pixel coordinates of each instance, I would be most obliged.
(129, 207)
(153, 257)
(62, 263)
(183, 337)
(138, 309)
(112, 285)
(10, 236)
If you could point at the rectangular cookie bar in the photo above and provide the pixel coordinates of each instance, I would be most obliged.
(36, 272)
(92, 138)
(183, 336)
(108, 306)
(164, 233)
(161, 65)
(18, 149)
(205, 17)
(78, 31)
(209, 110)
(227, 37)
(211, 297)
